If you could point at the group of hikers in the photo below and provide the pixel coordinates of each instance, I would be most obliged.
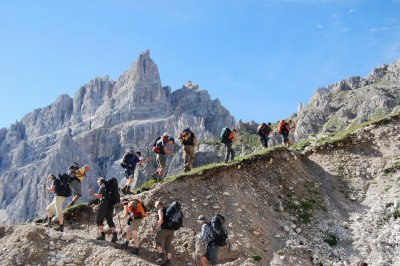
(213, 234)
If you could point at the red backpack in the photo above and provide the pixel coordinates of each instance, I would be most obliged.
(281, 126)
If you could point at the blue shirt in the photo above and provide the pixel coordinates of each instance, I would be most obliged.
(205, 234)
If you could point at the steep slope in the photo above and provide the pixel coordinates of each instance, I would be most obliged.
(96, 127)
(351, 101)
(336, 204)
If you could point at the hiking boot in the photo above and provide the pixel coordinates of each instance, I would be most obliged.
(135, 251)
(60, 228)
(160, 180)
(48, 223)
(123, 190)
(126, 244)
(161, 258)
(101, 237)
(114, 238)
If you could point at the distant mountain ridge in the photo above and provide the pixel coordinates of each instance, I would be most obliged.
(351, 101)
(95, 127)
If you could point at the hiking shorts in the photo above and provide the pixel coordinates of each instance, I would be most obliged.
(129, 173)
(106, 211)
(212, 254)
(76, 188)
(164, 239)
(56, 207)
(161, 160)
(134, 224)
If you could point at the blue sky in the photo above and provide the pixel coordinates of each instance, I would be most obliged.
(259, 57)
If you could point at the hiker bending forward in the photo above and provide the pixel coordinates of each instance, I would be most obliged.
(76, 181)
(106, 211)
(189, 142)
(164, 237)
(211, 253)
(136, 211)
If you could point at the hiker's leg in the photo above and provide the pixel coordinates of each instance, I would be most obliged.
(59, 201)
(163, 163)
(109, 217)
(130, 181)
(160, 241)
(203, 261)
(168, 244)
(136, 238)
(186, 156)
(232, 153)
(192, 156)
(226, 159)
(76, 189)
(100, 217)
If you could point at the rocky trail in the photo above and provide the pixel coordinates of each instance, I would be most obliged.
(336, 203)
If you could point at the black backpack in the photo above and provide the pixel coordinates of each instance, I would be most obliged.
(112, 193)
(173, 216)
(62, 187)
(125, 160)
(224, 136)
(218, 233)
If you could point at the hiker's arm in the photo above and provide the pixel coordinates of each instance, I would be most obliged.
(51, 188)
(160, 219)
(97, 195)
(141, 162)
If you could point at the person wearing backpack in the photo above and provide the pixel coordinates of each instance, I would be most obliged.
(162, 148)
(264, 131)
(169, 220)
(227, 138)
(189, 141)
(284, 129)
(77, 175)
(129, 162)
(60, 187)
(136, 211)
(106, 208)
(211, 251)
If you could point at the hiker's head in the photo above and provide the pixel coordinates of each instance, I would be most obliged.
(101, 181)
(165, 136)
(51, 177)
(87, 167)
(269, 123)
(138, 154)
(171, 141)
(130, 150)
(201, 219)
(234, 130)
(158, 204)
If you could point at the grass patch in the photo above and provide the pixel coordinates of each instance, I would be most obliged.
(145, 187)
(301, 145)
(396, 213)
(393, 169)
(256, 258)
(304, 210)
(331, 240)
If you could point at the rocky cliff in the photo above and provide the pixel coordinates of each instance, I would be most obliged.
(336, 203)
(352, 101)
(95, 127)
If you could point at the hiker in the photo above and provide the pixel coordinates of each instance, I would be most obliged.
(106, 209)
(136, 211)
(227, 137)
(264, 131)
(211, 253)
(169, 220)
(189, 141)
(162, 148)
(284, 129)
(77, 174)
(60, 187)
(129, 162)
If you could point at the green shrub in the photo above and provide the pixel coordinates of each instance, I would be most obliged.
(331, 239)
